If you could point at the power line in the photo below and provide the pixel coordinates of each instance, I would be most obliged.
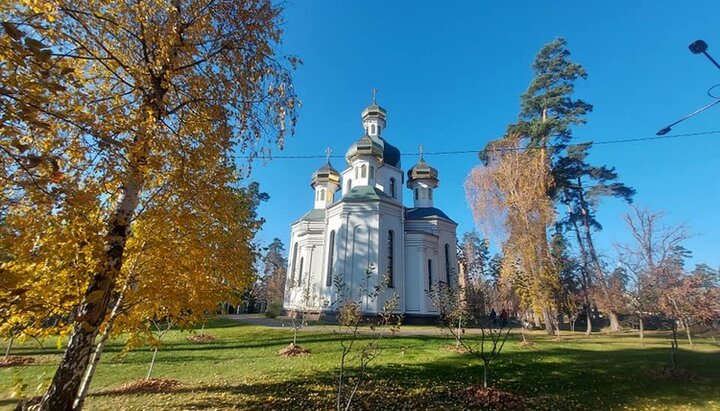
(457, 152)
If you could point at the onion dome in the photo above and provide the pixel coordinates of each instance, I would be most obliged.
(366, 146)
(391, 154)
(422, 171)
(374, 111)
(324, 175)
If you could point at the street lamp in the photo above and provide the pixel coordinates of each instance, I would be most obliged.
(696, 47)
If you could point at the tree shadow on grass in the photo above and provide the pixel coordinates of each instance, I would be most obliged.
(557, 379)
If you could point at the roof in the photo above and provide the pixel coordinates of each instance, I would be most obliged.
(377, 146)
(391, 154)
(325, 174)
(421, 213)
(422, 170)
(316, 214)
(364, 193)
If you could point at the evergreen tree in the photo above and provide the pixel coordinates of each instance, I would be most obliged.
(580, 187)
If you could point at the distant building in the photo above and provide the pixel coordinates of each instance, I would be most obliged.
(367, 225)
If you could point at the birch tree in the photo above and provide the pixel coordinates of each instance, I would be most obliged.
(140, 98)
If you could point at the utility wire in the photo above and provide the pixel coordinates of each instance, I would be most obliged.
(445, 153)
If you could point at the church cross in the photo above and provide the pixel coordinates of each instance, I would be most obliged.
(328, 151)
(421, 148)
(374, 95)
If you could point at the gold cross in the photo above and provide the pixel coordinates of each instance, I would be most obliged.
(328, 151)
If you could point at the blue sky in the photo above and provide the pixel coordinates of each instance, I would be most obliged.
(450, 75)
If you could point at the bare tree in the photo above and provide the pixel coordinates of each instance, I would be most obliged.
(652, 260)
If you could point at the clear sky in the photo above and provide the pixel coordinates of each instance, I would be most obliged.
(450, 75)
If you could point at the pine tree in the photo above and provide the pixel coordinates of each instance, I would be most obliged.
(580, 187)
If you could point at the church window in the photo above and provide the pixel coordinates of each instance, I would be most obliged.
(372, 129)
(429, 194)
(357, 169)
(430, 276)
(392, 187)
(331, 257)
(390, 256)
(322, 194)
(349, 185)
(372, 171)
(417, 194)
(447, 264)
(300, 272)
(294, 262)
(363, 171)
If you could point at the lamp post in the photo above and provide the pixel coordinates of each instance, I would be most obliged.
(696, 47)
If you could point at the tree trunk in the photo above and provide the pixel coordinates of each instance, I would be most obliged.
(9, 347)
(95, 360)
(588, 317)
(614, 322)
(586, 283)
(642, 331)
(612, 313)
(547, 317)
(485, 374)
(536, 320)
(60, 395)
(152, 364)
(689, 334)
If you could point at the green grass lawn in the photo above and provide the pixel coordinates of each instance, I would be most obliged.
(242, 371)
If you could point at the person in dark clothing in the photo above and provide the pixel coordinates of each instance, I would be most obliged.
(493, 317)
(504, 317)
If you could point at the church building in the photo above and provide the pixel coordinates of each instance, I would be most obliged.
(360, 235)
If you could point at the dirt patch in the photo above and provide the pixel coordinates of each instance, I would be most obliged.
(293, 350)
(491, 398)
(147, 386)
(15, 360)
(202, 338)
(527, 344)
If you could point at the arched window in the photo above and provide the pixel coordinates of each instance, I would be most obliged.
(363, 171)
(390, 257)
(300, 272)
(322, 194)
(294, 263)
(331, 258)
(372, 129)
(372, 171)
(429, 193)
(392, 187)
(430, 276)
(447, 264)
(417, 194)
(349, 185)
(357, 170)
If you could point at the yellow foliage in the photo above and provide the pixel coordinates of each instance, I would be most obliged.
(119, 123)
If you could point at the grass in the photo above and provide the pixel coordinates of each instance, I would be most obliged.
(242, 371)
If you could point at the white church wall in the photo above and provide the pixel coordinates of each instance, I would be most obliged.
(391, 219)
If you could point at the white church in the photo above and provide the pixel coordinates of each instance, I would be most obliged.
(365, 236)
